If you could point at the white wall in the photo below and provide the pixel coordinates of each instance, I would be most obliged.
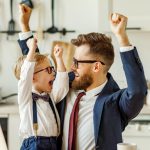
(80, 15)
(140, 39)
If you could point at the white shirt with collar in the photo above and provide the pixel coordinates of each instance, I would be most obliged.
(85, 129)
(46, 120)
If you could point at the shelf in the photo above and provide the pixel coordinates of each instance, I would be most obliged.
(145, 110)
(63, 32)
(130, 31)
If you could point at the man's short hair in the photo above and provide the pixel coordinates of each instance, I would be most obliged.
(100, 46)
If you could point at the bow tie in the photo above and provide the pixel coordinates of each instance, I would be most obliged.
(43, 97)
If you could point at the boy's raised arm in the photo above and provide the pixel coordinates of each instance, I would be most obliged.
(58, 53)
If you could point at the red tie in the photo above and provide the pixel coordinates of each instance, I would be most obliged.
(73, 123)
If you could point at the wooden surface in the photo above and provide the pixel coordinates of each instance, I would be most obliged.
(68, 52)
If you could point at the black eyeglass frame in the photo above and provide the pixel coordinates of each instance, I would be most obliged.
(49, 69)
(75, 62)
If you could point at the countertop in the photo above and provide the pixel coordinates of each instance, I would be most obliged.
(9, 106)
(145, 110)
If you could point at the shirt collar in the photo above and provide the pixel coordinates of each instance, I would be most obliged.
(35, 91)
(94, 91)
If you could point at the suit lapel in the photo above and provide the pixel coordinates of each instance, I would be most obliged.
(98, 109)
(109, 88)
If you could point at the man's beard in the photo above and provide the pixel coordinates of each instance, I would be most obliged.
(83, 83)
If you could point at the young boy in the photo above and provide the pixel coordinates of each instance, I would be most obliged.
(38, 90)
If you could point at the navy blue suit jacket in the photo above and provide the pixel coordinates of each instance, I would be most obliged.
(24, 47)
(115, 107)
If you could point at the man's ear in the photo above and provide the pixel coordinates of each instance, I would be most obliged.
(97, 67)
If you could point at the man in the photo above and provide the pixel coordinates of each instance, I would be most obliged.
(96, 119)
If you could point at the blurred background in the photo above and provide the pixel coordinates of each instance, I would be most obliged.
(76, 17)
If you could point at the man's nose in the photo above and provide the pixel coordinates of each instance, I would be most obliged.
(73, 67)
(54, 74)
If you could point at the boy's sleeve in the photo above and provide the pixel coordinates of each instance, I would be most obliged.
(60, 87)
(25, 83)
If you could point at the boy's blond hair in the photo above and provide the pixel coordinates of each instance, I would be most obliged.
(39, 58)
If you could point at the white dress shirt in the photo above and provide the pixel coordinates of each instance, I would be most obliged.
(25, 35)
(46, 119)
(85, 127)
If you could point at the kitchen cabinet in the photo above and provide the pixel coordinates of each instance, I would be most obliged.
(138, 13)
(9, 110)
(138, 130)
(13, 132)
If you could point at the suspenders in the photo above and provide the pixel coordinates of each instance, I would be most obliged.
(54, 112)
(35, 121)
(35, 124)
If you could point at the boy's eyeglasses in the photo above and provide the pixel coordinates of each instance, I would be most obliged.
(48, 69)
(76, 62)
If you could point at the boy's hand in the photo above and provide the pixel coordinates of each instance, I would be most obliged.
(118, 25)
(58, 51)
(24, 17)
(32, 45)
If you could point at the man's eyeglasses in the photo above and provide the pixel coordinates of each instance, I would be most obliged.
(48, 69)
(76, 62)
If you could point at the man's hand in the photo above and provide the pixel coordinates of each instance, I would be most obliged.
(24, 17)
(32, 45)
(118, 25)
